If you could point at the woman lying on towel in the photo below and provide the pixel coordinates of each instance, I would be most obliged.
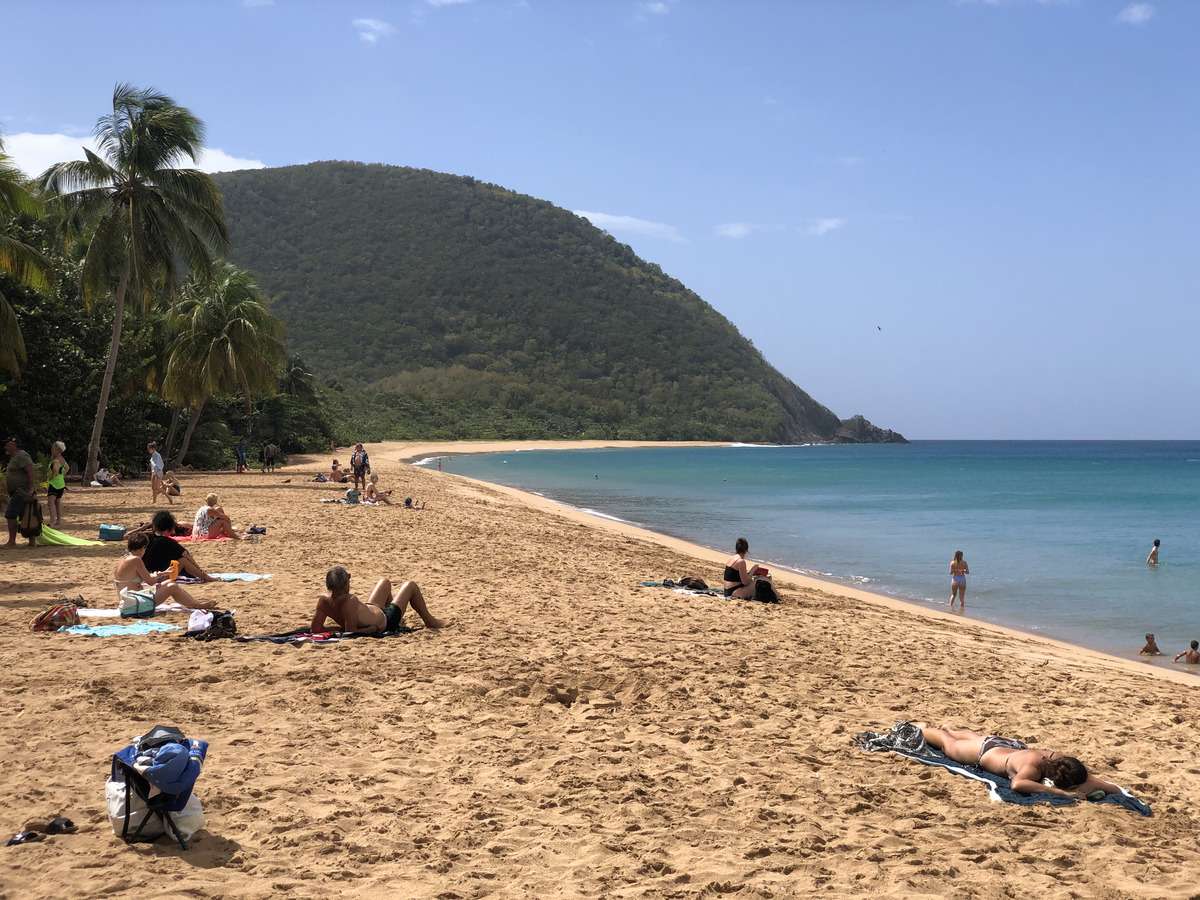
(1025, 767)
(131, 574)
(380, 613)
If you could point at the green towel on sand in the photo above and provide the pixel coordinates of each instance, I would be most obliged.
(51, 538)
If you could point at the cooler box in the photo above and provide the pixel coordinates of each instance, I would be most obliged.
(112, 532)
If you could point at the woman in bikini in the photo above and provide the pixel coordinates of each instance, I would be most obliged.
(131, 574)
(381, 612)
(56, 484)
(739, 580)
(373, 494)
(1026, 767)
(958, 579)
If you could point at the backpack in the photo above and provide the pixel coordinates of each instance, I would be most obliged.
(149, 789)
(764, 591)
(30, 523)
(692, 583)
(55, 617)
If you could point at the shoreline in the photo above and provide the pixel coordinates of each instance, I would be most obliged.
(412, 452)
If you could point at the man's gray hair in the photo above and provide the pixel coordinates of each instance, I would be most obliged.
(337, 578)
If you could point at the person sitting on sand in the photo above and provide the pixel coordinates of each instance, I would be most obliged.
(373, 494)
(170, 485)
(1024, 766)
(410, 503)
(338, 476)
(211, 522)
(380, 613)
(1150, 648)
(165, 550)
(131, 574)
(1190, 655)
(739, 579)
(105, 478)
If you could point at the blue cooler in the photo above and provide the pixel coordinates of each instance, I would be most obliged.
(112, 532)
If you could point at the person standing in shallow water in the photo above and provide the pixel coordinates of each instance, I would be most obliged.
(958, 579)
(1152, 559)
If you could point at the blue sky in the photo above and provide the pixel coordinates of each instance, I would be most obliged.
(959, 218)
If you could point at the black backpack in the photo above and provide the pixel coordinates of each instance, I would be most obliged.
(30, 523)
(764, 591)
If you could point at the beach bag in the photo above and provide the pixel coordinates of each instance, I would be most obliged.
(352, 495)
(55, 617)
(149, 788)
(112, 532)
(30, 523)
(137, 604)
(764, 591)
(693, 583)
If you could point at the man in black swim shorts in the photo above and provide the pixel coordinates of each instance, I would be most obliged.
(380, 614)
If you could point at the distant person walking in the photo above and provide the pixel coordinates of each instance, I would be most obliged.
(156, 474)
(958, 579)
(269, 453)
(1152, 559)
(57, 483)
(239, 453)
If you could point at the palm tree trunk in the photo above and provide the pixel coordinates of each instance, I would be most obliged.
(92, 463)
(170, 444)
(187, 435)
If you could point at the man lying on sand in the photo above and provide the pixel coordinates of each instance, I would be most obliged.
(1023, 765)
(379, 614)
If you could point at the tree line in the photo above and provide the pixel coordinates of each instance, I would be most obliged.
(113, 274)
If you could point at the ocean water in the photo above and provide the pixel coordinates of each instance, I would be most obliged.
(1056, 533)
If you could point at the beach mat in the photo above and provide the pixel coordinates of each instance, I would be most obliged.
(711, 592)
(53, 538)
(141, 626)
(900, 740)
(318, 638)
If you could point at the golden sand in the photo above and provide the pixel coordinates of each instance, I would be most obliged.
(572, 734)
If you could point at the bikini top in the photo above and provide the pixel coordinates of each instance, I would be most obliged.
(732, 574)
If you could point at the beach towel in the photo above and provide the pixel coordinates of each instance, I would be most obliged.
(710, 592)
(902, 740)
(198, 537)
(223, 576)
(304, 636)
(49, 537)
(139, 627)
(116, 613)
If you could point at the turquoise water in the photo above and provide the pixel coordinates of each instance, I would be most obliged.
(1056, 533)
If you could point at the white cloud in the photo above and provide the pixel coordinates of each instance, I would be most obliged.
(736, 229)
(822, 227)
(33, 154)
(1136, 14)
(371, 30)
(611, 224)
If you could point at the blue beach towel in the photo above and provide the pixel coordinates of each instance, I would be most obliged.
(139, 627)
(999, 787)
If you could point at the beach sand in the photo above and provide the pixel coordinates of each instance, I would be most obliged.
(571, 734)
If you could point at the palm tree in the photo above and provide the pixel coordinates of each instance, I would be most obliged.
(17, 259)
(146, 221)
(223, 341)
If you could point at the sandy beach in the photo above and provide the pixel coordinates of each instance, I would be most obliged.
(571, 733)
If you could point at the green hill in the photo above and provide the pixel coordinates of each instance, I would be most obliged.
(451, 300)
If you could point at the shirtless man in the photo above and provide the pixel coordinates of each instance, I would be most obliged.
(1152, 559)
(1192, 654)
(1024, 766)
(379, 614)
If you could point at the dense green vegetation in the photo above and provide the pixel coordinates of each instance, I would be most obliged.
(439, 306)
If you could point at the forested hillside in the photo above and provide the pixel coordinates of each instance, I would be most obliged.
(453, 307)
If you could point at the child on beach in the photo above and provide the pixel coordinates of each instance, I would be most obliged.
(1191, 655)
(1151, 648)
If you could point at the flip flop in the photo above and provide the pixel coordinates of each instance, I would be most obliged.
(25, 837)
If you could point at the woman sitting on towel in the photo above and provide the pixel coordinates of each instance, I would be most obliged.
(131, 574)
(1025, 767)
(211, 522)
(739, 580)
(373, 494)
